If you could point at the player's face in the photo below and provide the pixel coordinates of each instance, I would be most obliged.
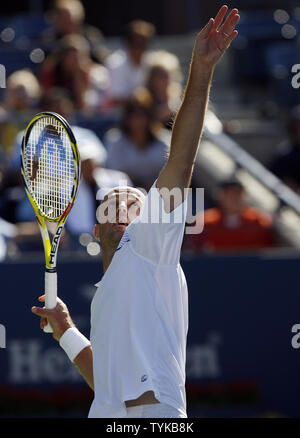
(114, 215)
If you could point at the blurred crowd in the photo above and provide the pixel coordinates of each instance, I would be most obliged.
(134, 93)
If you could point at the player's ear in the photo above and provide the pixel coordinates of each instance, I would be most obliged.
(96, 231)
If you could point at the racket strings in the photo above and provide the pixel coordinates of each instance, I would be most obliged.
(49, 165)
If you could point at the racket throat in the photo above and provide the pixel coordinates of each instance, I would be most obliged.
(51, 262)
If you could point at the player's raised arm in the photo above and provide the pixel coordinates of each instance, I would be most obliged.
(210, 45)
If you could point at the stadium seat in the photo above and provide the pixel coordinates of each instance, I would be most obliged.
(256, 31)
(14, 60)
(279, 60)
(28, 25)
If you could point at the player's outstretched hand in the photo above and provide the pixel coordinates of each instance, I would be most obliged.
(59, 317)
(213, 40)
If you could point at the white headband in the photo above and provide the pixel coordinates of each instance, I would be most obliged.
(124, 189)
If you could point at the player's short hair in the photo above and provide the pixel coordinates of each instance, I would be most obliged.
(113, 193)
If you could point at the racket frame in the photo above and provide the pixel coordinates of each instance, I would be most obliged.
(50, 249)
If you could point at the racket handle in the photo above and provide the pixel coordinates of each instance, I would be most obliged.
(50, 295)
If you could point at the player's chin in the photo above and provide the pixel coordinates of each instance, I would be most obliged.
(118, 230)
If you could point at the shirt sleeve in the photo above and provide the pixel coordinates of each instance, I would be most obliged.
(118, 88)
(156, 234)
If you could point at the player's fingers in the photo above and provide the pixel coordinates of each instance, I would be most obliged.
(41, 311)
(230, 22)
(231, 38)
(205, 31)
(42, 298)
(220, 16)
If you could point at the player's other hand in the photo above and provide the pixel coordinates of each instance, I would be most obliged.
(59, 317)
(213, 40)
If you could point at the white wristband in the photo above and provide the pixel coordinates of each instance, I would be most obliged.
(72, 342)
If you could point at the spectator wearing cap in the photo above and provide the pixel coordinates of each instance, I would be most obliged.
(128, 66)
(138, 146)
(233, 225)
(286, 164)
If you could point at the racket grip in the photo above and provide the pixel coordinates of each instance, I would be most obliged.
(50, 295)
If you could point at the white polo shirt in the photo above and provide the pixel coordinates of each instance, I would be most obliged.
(139, 315)
(125, 77)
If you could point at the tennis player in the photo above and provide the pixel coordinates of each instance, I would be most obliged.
(135, 359)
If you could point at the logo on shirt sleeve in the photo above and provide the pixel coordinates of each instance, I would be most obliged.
(144, 378)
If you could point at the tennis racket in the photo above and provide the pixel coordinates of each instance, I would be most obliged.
(50, 167)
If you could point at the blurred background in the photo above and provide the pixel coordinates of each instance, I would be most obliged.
(116, 70)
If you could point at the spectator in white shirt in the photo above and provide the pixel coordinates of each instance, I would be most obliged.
(128, 66)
